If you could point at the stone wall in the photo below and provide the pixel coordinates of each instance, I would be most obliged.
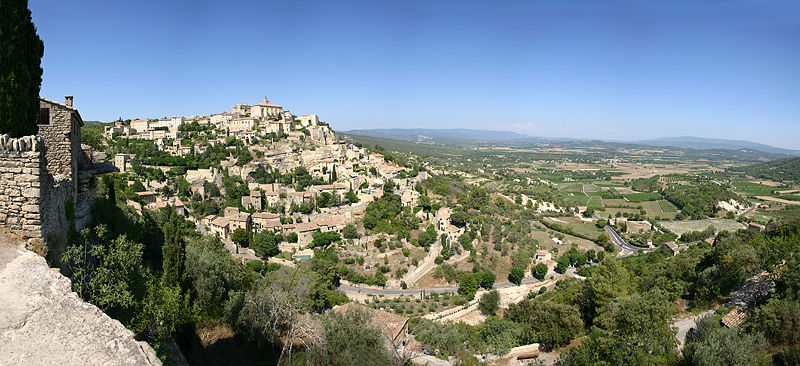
(32, 201)
(20, 185)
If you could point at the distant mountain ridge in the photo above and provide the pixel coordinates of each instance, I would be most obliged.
(451, 135)
(691, 142)
(466, 135)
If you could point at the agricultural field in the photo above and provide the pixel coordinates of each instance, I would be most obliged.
(667, 206)
(753, 189)
(682, 227)
(642, 197)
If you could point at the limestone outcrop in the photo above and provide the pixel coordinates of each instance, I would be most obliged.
(42, 322)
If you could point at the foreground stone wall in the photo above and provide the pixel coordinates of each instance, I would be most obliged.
(32, 201)
(21, 161)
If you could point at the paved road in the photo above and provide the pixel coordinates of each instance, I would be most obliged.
(749, 210)
(627, 249)
(684, 325)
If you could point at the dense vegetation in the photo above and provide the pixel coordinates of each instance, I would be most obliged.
(21, 53)
(698, 200)
(783, 170)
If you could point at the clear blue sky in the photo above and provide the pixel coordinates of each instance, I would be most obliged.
(598, 69)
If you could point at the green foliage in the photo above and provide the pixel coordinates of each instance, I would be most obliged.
(699, 200)
(516, 275)
(350, 340)
(489, 303)
(467, 285)
(635, 330)
(778, 170)
(265, 244)
(487, 279)
(551, 324)
(241, 237)
(321, 239)
(350, 232)
(500, 335)
(107, 272)
(540, 270)
(213, 273)
(174, 249)
(21, 74)
(610, 281)
(712, 344)
(646, 184)
(778, 320)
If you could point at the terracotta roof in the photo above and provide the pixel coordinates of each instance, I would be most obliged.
(220, 222)
(307, 226)
(735, 318)
(265, 215)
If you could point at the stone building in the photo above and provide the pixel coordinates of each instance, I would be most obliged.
(47, 179)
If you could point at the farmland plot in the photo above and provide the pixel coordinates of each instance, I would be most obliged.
(682, 227)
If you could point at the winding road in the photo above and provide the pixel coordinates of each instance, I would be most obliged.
(627, 249)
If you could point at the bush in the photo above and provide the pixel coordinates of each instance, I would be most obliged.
(489, 303)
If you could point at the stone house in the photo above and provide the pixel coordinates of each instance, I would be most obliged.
(45, 175)
(220, 227)
(305, 232)
(253, 201)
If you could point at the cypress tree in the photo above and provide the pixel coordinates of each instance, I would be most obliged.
(21, 53)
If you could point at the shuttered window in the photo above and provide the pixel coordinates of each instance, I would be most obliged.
(44, 116)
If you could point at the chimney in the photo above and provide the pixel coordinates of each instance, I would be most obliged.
(68, 100)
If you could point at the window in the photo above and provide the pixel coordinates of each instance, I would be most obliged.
(44, 116)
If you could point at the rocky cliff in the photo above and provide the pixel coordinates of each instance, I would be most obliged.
(42, 322)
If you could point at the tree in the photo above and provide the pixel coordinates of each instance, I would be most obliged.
(321, 239)
(265, 244)
(349, 339)
(174, 249)
(540, 270)
(634, 330)
(274, 308)
(489, 303)
(21, 53)
(778, 320)
(548, 323)
(467, 285)
(611, 280)
(213, 273)
(350, 197)
(516, 275)
(562, 264)
(500, 335)
(241, 237)
(712, 344)
(487, 279)
(350, 232)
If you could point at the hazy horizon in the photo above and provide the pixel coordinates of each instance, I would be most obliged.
(616, 71)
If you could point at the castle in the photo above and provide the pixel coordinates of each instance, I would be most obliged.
(47, 179)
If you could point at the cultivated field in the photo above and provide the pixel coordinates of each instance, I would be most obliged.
(681, 227)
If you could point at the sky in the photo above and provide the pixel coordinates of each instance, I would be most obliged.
(621, 70)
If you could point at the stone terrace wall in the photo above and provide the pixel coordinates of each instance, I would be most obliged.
(21, 163)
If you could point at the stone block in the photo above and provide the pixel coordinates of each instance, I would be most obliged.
(30, 208)
(30, 192)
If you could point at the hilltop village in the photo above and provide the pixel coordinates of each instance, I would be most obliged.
(287, 174)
